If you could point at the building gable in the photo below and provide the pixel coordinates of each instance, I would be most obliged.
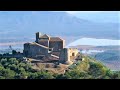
(55, 39)
(45, 37)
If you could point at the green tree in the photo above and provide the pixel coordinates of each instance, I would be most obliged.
(7, 73)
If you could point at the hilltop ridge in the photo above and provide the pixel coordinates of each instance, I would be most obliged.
(89, 68)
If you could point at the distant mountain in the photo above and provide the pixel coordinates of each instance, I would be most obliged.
(107, 56)
(25, 23)
(99, 16)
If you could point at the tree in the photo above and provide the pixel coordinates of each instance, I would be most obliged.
(33, 75)
(13, 61)
(14, 52)
(7, 73)
(44, 75)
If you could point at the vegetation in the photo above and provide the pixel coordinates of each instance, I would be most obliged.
(90, 69)
(16, 69)
(12, 68)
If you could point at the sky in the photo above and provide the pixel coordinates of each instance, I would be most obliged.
(98, 16)
(74, 12)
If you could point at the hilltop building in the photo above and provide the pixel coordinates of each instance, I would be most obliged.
(48, 49)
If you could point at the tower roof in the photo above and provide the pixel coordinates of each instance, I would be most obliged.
(45, 36)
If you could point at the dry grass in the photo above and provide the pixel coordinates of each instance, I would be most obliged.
(60, 69)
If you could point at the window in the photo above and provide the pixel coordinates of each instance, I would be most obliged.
(50, 49)
(73, 54)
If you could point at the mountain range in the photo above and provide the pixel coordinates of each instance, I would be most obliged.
(98, 16)
(17, 24)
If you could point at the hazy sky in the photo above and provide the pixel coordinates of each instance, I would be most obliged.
(95, 16)
(75, 12)
(98, 16)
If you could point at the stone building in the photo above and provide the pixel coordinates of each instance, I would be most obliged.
(48, 48)
(68, 55)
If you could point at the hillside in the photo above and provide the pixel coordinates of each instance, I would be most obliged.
(26, 23)
(110, 58)
(110, 55)
(87, 69)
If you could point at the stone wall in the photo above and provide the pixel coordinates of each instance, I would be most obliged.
(72, 53)
(18, 55)
(46, 45)
(32, 50)
(63, 55)
(26, 49)
(68, 54)
(44, 42)
(56, 45)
